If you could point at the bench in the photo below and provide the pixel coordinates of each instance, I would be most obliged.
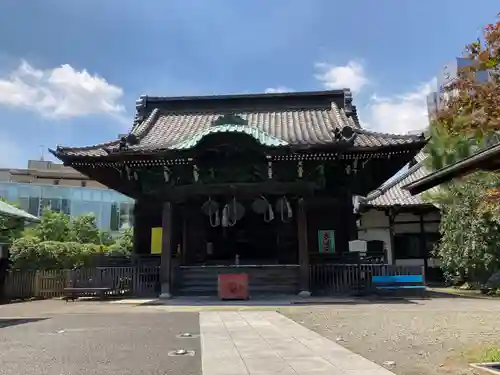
(86, 288)
(400, 283)
(73, 293)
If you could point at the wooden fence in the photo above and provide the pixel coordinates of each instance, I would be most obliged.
(348, 278)
(144, 281)
(136, 281)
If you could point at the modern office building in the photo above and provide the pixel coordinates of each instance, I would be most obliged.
(45, 184)
(445, 78)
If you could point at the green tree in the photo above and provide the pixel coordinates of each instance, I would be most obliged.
(83, 229)
(124, 244)
(53, 226)
(474, 109)
(105, 238)
(470, 242)
(444, 148)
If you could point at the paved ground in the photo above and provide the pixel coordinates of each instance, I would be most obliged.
(267, 343)
(107, 342)
(422, 337)
(425, 337)
(57, 338)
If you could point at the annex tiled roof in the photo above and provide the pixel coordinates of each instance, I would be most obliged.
(293, 126)
(393, 193)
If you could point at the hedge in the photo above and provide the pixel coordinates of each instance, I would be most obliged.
(31, 253)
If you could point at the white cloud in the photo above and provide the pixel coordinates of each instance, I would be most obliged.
(277, 90)
(352, 76)
(399, 114)
(62, 92)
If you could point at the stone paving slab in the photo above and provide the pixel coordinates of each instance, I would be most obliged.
(266, 342)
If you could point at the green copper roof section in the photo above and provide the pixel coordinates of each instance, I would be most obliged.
(260, 136)
(11, 211)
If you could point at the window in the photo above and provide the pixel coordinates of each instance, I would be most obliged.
(66, 206)
(115, 218)
(83, 183)
(409, 245)
(121, 216)
(56, 182)
(34, 206)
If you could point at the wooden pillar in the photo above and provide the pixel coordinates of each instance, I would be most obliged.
(351, 218)
(303, 248)
(166, 250)
(184, 245)
(391, 258)
(135, 229)
(423, 244)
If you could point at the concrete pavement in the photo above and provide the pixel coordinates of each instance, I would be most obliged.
(99, 344)
(266, 342)
(103, 338)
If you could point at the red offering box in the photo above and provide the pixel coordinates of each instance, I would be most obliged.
(233, 286)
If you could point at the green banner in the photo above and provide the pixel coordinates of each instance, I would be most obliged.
(326, 241)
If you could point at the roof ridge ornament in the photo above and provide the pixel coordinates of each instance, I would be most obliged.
(140, 104)
(348, 107)
(229, 119)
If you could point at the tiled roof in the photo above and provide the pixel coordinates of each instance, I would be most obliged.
(393, 193)
(294, 126)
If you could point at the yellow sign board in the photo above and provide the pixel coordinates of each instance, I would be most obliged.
(156, 234)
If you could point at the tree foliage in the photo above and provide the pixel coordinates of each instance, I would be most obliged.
(53, 226)
(83, 229)
(58, 242)
(124, 244)
(470, 206)
(31, 253)
(444, 149)
(473, 111)
(470, 236)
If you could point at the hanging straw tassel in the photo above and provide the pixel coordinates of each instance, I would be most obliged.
(216, 222)
(231, 224)
(270, 214)
(225, 219)
(285, 205)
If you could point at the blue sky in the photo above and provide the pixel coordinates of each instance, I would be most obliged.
(70, 71)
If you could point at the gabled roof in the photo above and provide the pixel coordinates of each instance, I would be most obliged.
(486, 159)
(393, 193)
(291, 119)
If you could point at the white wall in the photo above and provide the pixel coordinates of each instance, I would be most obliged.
(374, 225)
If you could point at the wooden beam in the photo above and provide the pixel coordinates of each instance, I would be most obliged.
(166, 250)
(303, 246)
(179, 193)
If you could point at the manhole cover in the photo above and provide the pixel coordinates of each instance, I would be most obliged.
(491, 367)
(187, 336)
(181, 353)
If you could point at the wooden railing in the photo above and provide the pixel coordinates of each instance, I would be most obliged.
(144, 281)
(136, 281)
(348, 278)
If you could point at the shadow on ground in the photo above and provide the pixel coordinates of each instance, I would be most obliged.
(8, 322)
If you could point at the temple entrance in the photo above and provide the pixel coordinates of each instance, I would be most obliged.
(250, 232)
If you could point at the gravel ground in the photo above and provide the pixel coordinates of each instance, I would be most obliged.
(106, 342)
(424, 337)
